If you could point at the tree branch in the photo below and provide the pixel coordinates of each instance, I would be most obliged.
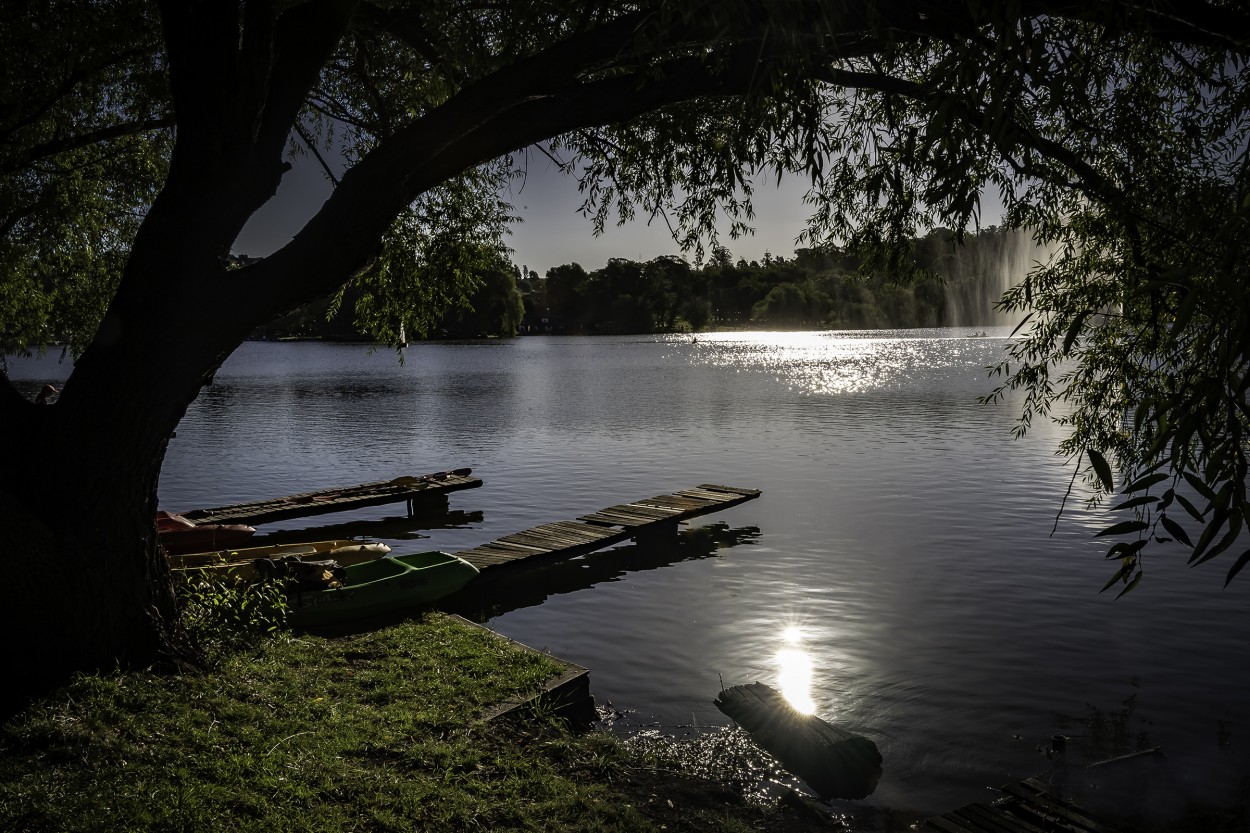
(594, 79)
(55, 146)
(312, 146)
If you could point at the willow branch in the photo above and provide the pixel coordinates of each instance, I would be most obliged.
(82, 140)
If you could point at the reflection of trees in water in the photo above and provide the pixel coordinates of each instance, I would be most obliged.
(503, 590)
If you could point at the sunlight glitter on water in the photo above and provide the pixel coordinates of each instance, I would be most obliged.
(794, 672)
(836, 362)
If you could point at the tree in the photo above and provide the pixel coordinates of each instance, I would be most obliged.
(171, 123)
(494, 308)
(567, 286)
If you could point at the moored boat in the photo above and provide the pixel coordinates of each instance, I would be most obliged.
(240, 564)
(387, 585)
(179, 535)
(342, 550)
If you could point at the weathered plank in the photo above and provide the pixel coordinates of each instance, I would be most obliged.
(647, 509)
(530, 538)
(596, 530)
(610, 518)
(577, 530)
(341, 499)
(673, 503)
(749, 493)
(704, 494)
(1029, 806)
(1044, 805)
(986, 818)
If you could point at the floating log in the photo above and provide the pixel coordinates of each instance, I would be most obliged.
(834, 762)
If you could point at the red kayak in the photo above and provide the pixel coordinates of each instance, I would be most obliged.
(179, 535)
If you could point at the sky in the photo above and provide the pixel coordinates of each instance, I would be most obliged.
(552, 232)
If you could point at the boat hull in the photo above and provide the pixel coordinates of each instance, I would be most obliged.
(341, 550)
(240, 565)
(386, 585)
(179, 535)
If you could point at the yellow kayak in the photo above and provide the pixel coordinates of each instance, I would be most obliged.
(238, 563)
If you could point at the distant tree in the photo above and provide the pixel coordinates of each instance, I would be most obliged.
(567, 288)
(619, 298)
(696, 311)
(668, 280)
(493, 308)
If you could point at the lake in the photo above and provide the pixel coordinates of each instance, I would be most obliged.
(899, 566)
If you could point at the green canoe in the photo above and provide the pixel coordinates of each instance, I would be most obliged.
(396, 582)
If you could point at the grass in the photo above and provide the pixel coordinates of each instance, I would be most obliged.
(373, 732)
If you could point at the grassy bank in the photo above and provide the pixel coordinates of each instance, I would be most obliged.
(379, 731)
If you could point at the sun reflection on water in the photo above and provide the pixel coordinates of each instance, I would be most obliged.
(794, 672)
(823, 363)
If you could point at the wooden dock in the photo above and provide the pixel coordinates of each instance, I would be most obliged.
(410, 489)
(1026, 807)
(567, 539)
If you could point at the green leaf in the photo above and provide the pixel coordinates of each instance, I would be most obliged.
(1124, 549)
(1200, 487)
(1123, 528)
(1125, 569)
(1234, 529)
(1189, 507)
(1101, 469)
(1129, 587)
(1145, 482)
(1176, 530)
(1074, 330)
(1241, 561)
(1023, 321)
(1207, 536)
(1185, 312)
(1141, 500)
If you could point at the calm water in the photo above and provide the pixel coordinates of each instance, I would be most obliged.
(903, 538)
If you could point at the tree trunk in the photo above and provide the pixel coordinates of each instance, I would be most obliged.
(88, 588)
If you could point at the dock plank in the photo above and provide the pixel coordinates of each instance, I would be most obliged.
(597, 530)
(624, 509)
(734, 490)
(651, 510)
(989, 817)
(1028, 807)
(673, 503)
(611, 518)
(704, 494)
(303, 504)
(1045, 805)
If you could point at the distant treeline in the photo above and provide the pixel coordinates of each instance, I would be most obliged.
(947, 284)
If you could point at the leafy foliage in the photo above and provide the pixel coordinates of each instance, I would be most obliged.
(222, 616)
(1139, 326)
(84, 144)
(433, 258)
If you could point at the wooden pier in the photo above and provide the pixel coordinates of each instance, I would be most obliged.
(409, 489)
(567, 539)
(1026, 807)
